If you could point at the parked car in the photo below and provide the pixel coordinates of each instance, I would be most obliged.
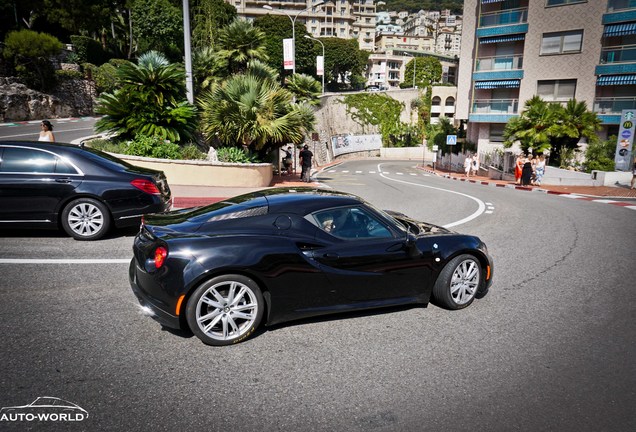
(82, 190)
(279, 255)
(373, 88)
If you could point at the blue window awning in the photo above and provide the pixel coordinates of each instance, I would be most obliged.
(606, 80)
(494, 84)
(622, 29)
(490, 1)
(504, 38)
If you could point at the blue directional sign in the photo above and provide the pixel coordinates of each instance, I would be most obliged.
(451, 139)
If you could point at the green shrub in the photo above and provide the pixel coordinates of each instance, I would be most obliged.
(29, 51)
(68, 74)
(191, 152)
(153, 147)
(88, 50)
(235, 155)
(600, 155)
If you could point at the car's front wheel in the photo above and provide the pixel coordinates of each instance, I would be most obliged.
(225, 310)
(458, 282)
(86, 219)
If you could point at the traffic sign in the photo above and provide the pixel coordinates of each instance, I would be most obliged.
(451, 140)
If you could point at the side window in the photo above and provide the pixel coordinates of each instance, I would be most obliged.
(19, 160)
(351, 223)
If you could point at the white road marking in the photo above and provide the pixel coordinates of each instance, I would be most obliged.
(480, 203)
(64, 261)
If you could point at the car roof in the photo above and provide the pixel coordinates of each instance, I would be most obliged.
(306, 200)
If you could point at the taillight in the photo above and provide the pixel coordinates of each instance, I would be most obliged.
(146, 186)
(160, 256)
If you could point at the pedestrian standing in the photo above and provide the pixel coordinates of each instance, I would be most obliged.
(526, 172)
(633, 175)
(518, 168)
(468, 164)
(475, 164)
(539, 170)
(305, 162)
(46, 131)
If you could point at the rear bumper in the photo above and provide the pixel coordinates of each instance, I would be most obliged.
(151, 308)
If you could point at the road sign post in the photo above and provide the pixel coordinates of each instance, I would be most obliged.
(451, 140)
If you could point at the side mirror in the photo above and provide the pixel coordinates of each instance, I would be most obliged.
(411, 245)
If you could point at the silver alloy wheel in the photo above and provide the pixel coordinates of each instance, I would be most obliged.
(465, 281)
(85, 219)
(226, 310)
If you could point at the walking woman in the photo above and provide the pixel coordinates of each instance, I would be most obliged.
(539, 170)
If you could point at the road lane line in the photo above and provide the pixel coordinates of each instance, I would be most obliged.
(63, 261)
(480, 203)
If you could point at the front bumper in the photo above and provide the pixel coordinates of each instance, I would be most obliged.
(151, 307)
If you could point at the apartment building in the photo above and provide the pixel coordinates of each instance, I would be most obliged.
(335, 18)
(512, 50)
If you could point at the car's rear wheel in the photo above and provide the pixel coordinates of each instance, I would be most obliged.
(225, 310)
(458, 282)
(86, 219)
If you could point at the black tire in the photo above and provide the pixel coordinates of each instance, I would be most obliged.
(218, 320)
(86, 219)
(458, 283)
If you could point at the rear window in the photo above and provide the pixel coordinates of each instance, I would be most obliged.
(106, 160)
(233, 208)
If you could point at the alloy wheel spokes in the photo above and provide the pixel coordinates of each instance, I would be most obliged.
(464, 282)
(85, 219)
(226, 310)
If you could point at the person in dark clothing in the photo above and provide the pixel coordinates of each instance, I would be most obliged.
(305, 162)
(526, 172)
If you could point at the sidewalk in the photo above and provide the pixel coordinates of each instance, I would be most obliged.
(192, 196)
(620, 191)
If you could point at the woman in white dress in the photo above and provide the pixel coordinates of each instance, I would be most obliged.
(46, 131)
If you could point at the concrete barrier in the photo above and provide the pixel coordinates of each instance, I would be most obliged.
(206, 173)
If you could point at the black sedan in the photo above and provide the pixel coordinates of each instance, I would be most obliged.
(85, 191)
(279, 255)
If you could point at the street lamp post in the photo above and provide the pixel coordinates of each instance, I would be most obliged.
(414, 66)
(293, 21)
(323, 61)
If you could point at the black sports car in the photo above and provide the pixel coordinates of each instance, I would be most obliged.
(279, 255)
(85, 191)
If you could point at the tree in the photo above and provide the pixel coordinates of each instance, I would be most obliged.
(279, 27)
(437, 135)
(600, 155)
(532, 127)
(150, 102)
(253, 111)
(29, 52)
(208, 17)
(239, 43)
(343, 60)
(574, 122)
(158, 26)
(305, 88)
(428, 70)
(544, 126)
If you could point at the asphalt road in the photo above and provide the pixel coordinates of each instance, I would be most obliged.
(551, 347)
(65, 130)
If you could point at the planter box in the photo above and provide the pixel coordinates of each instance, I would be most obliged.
(206, 173)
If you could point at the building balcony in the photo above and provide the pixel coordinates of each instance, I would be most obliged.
(620, 5)
(499, 63)
(495, 106)
(507, 17)
(618, 54)
(613, 105)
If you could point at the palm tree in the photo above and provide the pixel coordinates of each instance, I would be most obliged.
(239, 43)
(533, 127)
(151, 101)
(575, 121)
(208, 67)
(306, 89)
(252, 110)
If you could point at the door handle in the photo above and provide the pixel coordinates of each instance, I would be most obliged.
(331, 256)
(63, 180)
